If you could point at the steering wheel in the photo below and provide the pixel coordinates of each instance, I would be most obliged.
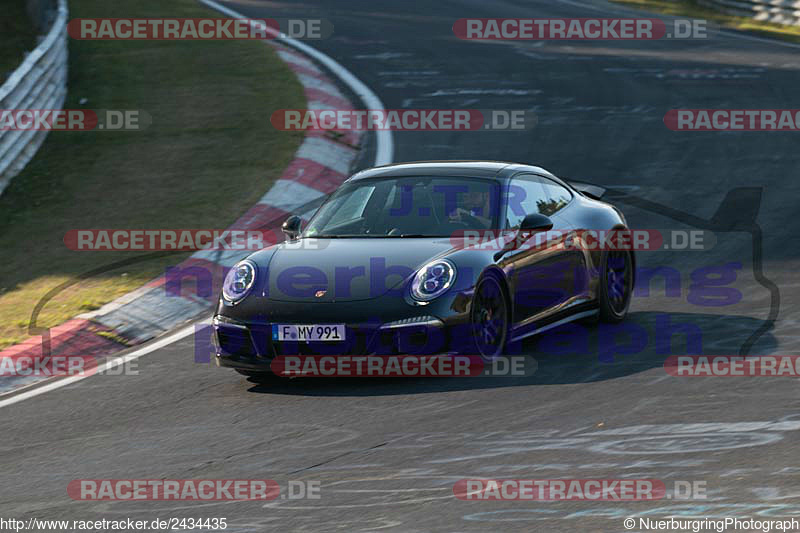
(471, 222)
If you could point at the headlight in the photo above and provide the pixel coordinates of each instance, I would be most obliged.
(432, 280)
(239, 281)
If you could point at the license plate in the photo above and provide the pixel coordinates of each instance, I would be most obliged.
(308, 332)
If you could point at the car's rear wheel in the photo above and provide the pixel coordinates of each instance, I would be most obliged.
(489, 317)
(616, 285)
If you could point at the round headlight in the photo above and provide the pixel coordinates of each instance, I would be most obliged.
(239, 281)
(432, 280)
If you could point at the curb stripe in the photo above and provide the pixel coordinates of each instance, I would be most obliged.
(288, 195)
(327, 153)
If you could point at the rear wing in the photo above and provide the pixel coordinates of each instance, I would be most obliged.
(587, 189)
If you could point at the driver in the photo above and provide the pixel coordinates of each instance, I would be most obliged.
(473, 206)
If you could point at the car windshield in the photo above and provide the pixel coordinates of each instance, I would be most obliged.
(407, 207)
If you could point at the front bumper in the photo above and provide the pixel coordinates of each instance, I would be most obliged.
(243, 338)
(251, 346)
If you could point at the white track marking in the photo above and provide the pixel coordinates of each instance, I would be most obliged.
(111, 363)
(327, 153)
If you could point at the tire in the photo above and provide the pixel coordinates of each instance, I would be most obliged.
(615, 285)
(489, 317)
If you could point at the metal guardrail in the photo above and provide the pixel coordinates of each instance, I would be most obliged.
(775, 11)
(40, 82)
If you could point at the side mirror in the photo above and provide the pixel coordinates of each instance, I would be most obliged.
(291, 228)
(536, 222)
(531, 223)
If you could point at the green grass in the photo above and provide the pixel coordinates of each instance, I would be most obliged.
(209, 155)
(690, 8)
(17, 36)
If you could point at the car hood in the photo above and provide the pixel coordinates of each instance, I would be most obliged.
(347, 269)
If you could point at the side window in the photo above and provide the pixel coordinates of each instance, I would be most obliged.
(525, 196)
(557, 197)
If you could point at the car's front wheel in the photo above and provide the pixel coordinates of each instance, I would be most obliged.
(616, 285)
(489, 317)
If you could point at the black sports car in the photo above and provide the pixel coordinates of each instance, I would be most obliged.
(426, 258)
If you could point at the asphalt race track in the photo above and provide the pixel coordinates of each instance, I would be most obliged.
(387, 452)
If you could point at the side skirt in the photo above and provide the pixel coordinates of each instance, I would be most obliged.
(571, 315)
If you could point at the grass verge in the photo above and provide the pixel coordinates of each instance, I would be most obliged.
(208, 156)
(690, 8)
(17, 36)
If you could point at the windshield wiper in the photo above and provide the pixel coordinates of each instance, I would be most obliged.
(368, 236)
(332, 236)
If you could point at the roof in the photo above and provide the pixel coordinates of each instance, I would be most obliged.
(487, 169)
